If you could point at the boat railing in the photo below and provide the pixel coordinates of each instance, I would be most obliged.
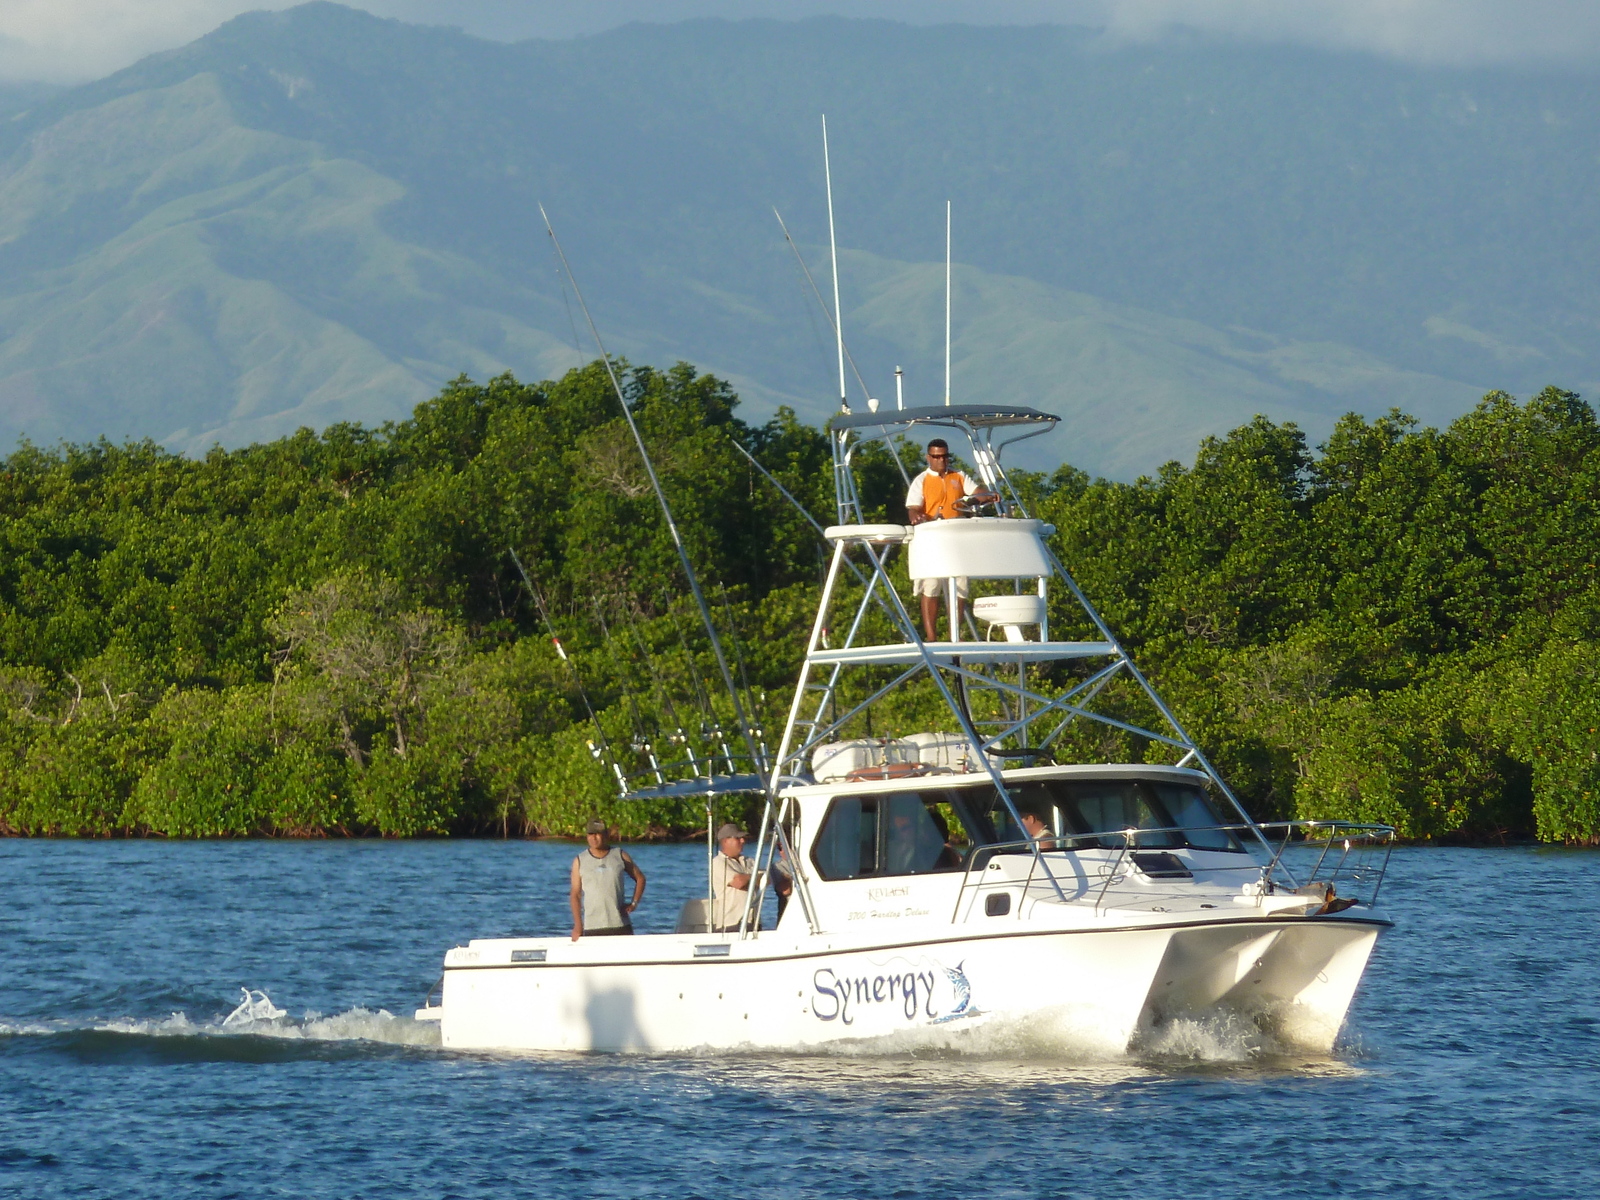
(1328, 859)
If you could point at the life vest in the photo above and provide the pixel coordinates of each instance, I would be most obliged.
(940, 494)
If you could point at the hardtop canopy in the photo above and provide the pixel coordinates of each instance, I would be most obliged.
(974, 416)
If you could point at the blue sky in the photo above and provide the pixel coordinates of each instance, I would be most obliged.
(69, 41)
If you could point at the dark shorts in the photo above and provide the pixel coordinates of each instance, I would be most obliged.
(618, 932)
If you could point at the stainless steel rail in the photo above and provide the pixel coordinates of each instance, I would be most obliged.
(1359, 865)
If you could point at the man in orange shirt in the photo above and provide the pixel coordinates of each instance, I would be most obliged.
(940, 494)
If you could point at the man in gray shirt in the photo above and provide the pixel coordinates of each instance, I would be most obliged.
(597, 873)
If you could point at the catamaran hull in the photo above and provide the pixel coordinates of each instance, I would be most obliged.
(1094, 992)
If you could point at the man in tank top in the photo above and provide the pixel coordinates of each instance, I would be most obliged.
(597, 873)
(940, 494)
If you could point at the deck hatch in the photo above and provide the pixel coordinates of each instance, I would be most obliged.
(1161, 865)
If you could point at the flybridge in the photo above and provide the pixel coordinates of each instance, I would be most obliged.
(997, 668)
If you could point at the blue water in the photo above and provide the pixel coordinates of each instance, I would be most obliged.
(1470, 1066)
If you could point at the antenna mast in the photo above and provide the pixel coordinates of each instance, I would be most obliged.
(833, 249)
(947, 304)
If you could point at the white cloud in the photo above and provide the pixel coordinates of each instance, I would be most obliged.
(75, 40)
(67, 41)
(1433, 31)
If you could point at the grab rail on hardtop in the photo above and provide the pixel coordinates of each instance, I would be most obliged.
(1358, 844)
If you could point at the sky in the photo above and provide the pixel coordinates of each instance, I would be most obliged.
(71, 41)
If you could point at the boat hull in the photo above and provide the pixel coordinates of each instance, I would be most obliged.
(1089, 991)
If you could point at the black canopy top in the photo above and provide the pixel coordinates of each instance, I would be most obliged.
(976, 416)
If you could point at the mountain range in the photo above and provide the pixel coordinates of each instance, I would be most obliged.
(318, 215)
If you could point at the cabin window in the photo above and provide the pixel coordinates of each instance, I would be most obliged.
(847, 843)
(1117, 804)
(1189, 809)
(1078, 809)
(898, 833)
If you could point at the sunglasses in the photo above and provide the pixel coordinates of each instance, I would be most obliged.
(937, 454)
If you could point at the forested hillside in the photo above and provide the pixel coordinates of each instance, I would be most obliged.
(328, 634)
(315, 215)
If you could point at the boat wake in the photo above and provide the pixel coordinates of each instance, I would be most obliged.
(255, 1028)
(1071, 1036)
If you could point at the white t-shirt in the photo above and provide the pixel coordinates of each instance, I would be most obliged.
(727, 904)
(914, 496)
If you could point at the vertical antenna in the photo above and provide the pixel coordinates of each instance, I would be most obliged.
(899, 391)
(947, 304)
(833, 248)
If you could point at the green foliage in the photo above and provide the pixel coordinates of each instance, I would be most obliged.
(1354, 633)
(1411, 758)
(326, 634)
(1552, 719)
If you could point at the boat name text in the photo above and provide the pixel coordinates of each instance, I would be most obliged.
(835, 995)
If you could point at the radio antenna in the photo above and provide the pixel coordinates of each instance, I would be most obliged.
(947, 304)
(833, 249)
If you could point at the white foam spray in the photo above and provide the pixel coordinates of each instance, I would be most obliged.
(255, 1016)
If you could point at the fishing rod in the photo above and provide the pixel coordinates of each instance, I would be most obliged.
(661, 499)
(861, 576)
(643, 743)
(561, 652)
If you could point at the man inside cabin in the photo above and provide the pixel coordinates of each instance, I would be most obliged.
(1038, 831)
(597, 873)
(940, 494)
(731, 873)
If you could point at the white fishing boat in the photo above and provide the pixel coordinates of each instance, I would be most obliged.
(919, 900)
(959, 879)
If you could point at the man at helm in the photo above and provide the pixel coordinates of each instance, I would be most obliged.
(940, 494)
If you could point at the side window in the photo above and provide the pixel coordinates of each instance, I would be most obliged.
(912, 842)
(847, 843)
(900, 833)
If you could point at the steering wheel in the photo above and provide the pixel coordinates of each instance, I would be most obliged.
(970, 506)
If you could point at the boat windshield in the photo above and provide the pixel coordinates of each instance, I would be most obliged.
(1072, 808)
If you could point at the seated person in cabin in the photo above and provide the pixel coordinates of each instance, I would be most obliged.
(917, 837)
(1036, 829)
(731, 873)
(597, 874)
(950, 859)
(940, 494)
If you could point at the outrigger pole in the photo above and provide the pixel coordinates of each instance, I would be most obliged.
(756, 762)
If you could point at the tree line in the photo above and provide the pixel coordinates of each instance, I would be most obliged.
(330, 633)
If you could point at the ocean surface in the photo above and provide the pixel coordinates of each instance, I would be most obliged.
(1470, 1066)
